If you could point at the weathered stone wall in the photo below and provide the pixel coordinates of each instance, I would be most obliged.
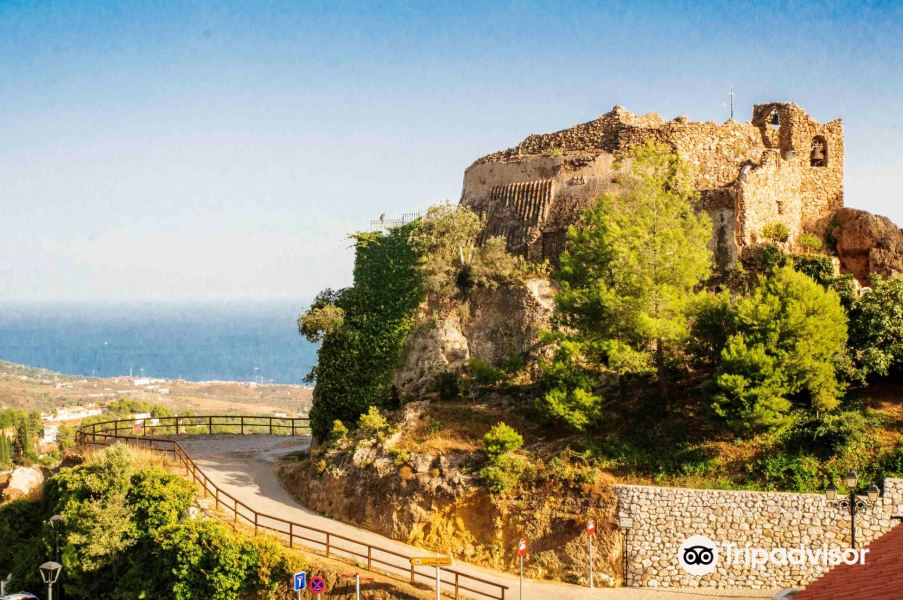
(664, 517)
(749, 175)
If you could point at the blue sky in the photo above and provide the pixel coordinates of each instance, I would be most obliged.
(223, 151)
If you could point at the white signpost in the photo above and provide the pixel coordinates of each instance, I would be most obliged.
(521, 552)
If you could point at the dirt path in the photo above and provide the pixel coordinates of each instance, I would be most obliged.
(244, 466)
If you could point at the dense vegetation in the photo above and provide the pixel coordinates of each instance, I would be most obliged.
(21, 447)
(126, 534)
(363, 328)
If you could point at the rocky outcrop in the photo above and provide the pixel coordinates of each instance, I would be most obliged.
(437, 501)
(867, 244)
(23, 482)
(492, 325)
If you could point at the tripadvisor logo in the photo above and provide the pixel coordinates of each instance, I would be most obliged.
(698, 555)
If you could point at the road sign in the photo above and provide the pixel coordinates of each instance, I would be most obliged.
(431, 561)
(300, 581)
(522, 547)
(591, 527)
(317, 584)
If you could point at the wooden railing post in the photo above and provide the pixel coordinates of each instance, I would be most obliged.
(327, 544)
(291, 534)
(235, 510)
(255, 524)
(242, 421)
(178, 424)
(456, 585)
(369, 557)
(293, 427)
(271, 425)
(210, 424)
(412, 574)
(217, 497)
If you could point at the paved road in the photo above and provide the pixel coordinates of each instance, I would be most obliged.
(244, 466)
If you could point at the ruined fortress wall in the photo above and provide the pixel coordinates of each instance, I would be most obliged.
(769, 193)
(749, 175)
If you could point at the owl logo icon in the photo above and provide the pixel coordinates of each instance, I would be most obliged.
(698, 555)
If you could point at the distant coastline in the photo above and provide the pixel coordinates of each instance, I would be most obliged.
(240, 343)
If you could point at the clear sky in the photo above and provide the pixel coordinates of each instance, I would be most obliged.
(223, 151)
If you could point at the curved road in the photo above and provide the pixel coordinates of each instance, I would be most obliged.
(245, 467)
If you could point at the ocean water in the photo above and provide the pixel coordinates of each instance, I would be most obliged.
(198, 342)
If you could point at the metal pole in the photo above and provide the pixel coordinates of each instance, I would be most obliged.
(49, 591)
(590, 561)
(521, 578)
(357, 586)
(438, 585)
(853, 519)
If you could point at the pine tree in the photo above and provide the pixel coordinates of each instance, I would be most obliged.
(630, 270)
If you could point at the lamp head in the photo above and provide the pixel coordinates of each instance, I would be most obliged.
(851, 479)
(50, 571)
(873, 492)
(831, 492)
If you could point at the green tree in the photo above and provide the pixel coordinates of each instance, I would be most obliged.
(876, 327)
(6, 452)
(787, 335)
(629, 271)
(25, 439)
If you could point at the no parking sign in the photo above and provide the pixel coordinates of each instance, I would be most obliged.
(317, 585)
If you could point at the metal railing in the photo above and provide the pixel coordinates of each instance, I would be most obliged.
(374, 558)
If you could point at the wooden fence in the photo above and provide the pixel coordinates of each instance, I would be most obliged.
(140, 433)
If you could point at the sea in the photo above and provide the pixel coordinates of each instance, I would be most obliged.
(195, 342)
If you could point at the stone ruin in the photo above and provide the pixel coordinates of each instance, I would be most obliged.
(782, 167)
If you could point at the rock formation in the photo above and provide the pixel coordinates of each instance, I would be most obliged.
(867, 244)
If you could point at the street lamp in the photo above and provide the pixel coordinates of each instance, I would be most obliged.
(625, 523)
(49, 572)
(851, 502)
(56, 522)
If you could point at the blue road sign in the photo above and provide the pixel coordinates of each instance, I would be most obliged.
(300, 581)
(317, 584)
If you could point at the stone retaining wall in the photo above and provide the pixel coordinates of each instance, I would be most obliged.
(664, 517)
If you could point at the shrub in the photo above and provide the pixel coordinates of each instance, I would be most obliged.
(818, 267)
(503, 474)
(500, 440)
(448, 384)
(373, 421)
(484, 373)
(339, 431)
(810, 243)
(777, 233)
(793, 473)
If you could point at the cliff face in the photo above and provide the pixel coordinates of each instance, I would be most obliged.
(432, 498)
(867, 244)
(491, 325)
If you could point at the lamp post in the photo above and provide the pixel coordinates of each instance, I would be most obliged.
(851, 502)
(625, 523)
(49, 572)
(56, 522)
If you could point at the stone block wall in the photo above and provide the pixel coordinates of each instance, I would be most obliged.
(664, 517)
